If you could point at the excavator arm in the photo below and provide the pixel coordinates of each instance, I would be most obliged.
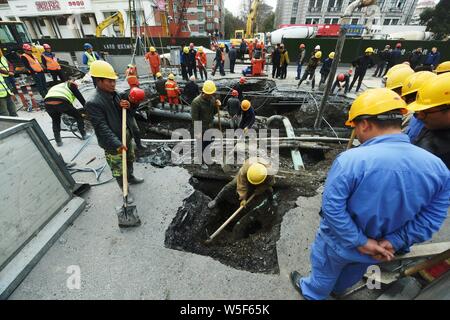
(251, 18)
(116, 18)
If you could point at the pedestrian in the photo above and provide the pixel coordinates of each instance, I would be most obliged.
(184, 62)
(219, 60)
(105, 111)
(202, 62)
(326, 67)
(232, 55)
(284, 62)
(383, 58)
(432, 59)
(301, 60)
(7, 106)
(58, 101)
(311, 69)
(89, 56)
(432, 111)
(234, 109)
(34, 68)
(379, 199)
(192, 65)
(132, 76)
(243, 50)
(361, 64)
(51, 64)
(416, 58)
(248, 116)
(239, 87)
(135, 97)
(173, 93)
(250, 48)
(7, 72)
(340, 78)
(191, 90)
(152, 57)
(276, 58)
(160, 86)
(394, 57)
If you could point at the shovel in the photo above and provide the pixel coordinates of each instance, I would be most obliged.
(226, 167)
(128, 214)
(229, 220)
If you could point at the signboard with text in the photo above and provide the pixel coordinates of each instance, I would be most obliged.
(40, 7)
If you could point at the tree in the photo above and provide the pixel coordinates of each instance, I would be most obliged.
(437, 20)
(264, 12)
(232, 23)
(268, 23)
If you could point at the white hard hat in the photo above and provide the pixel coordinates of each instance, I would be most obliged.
(317, 47)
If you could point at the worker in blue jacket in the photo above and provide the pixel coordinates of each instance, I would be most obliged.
(432, 59)
(248, 116)
(379, 199)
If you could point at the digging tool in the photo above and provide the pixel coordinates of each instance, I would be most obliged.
(229, 220)
(226, 167)
(128, 214)
(352, 138)
(218, 104)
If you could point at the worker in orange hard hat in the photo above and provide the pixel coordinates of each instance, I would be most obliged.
(34, 68)
(136, 96)
(301, 60)
(152, 57)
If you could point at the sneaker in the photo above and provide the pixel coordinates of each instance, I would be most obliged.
(295, 280)
(212, 204)
(133, 180)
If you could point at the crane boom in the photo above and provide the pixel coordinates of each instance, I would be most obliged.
(116, 18)
(251, 18)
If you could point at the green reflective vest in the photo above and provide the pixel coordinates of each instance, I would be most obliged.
(91, 58)
(61, 91)
(4, 66)
(4, 90)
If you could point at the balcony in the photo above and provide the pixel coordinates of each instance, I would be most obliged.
(314, 9)
(334, 9)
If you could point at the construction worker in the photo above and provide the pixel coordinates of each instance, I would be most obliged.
(135, 97)
(250, 48)
(173, 93)
(301, 60)
(89, 55)
(7, 106)
(415, 58)
(379, 199)
(202, 61)
(396, 78)
(234, 109)
(413, 83)
(132, 76)
(192, 63)
(161, 88)
(50, 63)
(276, 58)
(232, 55)
(443, 67)
(311, 69)
(203, 109)
(184, 62)
(342, 77)
(248, 117)
(7, 72)
(326, 67)
(254, 177)
(34, 68)
(243, 50)
(361, 64)
(219, 60)
(432, 59)
(105, 111)
(191, 90)
(383, 58)
(432, 112)
(58, 101)
(154, 60)
(394, 57)
(239, 87)
(284, 62)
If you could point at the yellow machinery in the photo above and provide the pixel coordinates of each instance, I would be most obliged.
(116, 19)
(249, 30)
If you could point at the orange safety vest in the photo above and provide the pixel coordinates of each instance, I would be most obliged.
(131, 75)
(201, 59)
(34, 63)
(153, 59)
(52, 63)
(172, 89)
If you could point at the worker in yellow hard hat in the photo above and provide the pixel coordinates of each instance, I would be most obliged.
(326, 67)
(248, 116)
(443, 67)
(105, 111)
(431, 127)
(379, 199)
(160, 86)
(396, 79)
(184, 62)
(152, 57)
(203, 109)
(361, 64)
(311, 69)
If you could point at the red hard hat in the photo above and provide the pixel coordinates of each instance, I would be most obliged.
(398, 45)
(341, 77)
(234, 93)
(137, 94)
(350, 71)
(242, 80)
(46, 46)
(302, 45)
(26, 46)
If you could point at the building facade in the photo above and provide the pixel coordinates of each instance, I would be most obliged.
(393, 12)
(421, 6)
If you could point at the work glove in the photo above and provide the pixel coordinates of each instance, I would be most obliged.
(243, 203)
(124, 104)
(218, 103)
(119, 149)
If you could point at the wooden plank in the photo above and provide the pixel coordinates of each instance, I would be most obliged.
(424, 250)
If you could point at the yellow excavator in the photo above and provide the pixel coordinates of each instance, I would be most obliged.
(117, 19)
(248, 33)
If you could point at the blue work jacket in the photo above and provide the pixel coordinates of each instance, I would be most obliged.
(414, 128)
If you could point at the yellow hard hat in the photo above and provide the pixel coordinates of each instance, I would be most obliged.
(415, 81)
(318, 54)
(200, 49)
(186, 50)
(433, 94)
(396, 67)
(331, 55)
(245, 105)
(209, 87)
(102, 69)
(171, 76)
(397, 78)
(222, 45)
(152, 49)
(158, 75)
(443, 67)
(369, 50)
(257, 173)
(373, 102)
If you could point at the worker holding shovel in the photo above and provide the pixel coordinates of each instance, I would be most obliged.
(113, 125)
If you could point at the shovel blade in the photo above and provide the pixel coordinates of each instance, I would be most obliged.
(128, 217)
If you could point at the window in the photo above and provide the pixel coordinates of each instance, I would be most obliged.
(387, 22)
(5, 35)
(209, 26)
(12, 19)
(315, 5)
(200, 3)
(308, 21)
(327, 21)
(335, 21)
(41, 22)
(62, 21)
(354, 21)
(293, 19)
(209, 13)
(394, 21)
(85, 18)
(200, 17)
(334, 6)
(209, 2)
(201, 28)
(23, 33)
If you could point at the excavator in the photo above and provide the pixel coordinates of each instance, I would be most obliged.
(117, 19)
(248, 33)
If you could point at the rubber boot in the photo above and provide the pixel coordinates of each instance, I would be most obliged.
(83, 133)
(130, 199)
(171, 107)
(58, 139)
(182, 108)
(177, 108)
(131, 178)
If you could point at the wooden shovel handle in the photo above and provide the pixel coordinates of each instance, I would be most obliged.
(124, 153)
(427, 264)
